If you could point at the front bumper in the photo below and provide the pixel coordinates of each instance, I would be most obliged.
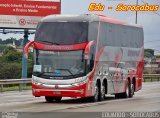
(76, 91)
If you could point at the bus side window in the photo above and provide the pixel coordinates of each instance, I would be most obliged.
(90, 61)
(124, 37)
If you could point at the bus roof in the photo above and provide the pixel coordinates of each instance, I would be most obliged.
(85, 18)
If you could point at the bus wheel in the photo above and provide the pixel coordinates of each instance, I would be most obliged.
(102, 97)
(57, 99)
(49, 99)
(131, 91)
(97, 93)
(126, 94)
(118, 95)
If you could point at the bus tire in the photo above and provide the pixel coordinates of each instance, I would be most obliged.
(95, 98)
(131, 90)
(49, 99)
(127, 92)
(118, 95)
(57, 99)
(102, 93)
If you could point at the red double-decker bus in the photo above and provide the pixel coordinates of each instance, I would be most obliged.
(86, 56)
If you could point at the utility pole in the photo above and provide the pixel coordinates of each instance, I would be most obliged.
(136, 12)
(24, 60)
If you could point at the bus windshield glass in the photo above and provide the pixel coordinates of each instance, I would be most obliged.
(62, 32)
(59, 63)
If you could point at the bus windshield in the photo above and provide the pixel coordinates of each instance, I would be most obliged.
(65, 64)
(62, 32)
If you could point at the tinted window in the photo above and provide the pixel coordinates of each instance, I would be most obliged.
(120, 36)
(93, 31)
(62, 32)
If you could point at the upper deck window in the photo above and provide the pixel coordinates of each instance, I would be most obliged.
(62, 32)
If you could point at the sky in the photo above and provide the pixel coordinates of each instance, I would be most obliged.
(149, 20)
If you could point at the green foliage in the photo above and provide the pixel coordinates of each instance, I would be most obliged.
(2, 48)
(10, 70)
(9, 49)
(157, 56)
(14, 88)
(148, 53)
(10, 55)
(11, 64)
(10, 41)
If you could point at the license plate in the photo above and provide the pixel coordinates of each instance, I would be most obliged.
(57, 92)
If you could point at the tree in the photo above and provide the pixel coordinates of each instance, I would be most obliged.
(11, 64)
(10, 55)
(2, 48)
(9, 49)
(149, 53)
(10, 41)
(13, 56)
(157, 56)
(10, 71)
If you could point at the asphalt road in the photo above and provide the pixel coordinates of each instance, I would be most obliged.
(148, 100)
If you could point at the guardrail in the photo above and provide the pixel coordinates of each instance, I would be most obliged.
(151, 77)
(21, 82)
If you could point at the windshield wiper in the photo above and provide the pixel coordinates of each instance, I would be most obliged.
(38, 74)
(56, 43)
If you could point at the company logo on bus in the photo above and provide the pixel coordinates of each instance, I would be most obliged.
(59, 47)
(56, 86)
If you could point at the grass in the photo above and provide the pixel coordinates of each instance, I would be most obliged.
(151, 79)
(15, 88)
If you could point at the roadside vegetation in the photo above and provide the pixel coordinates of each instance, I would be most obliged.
(11, 64)
(15, 88)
